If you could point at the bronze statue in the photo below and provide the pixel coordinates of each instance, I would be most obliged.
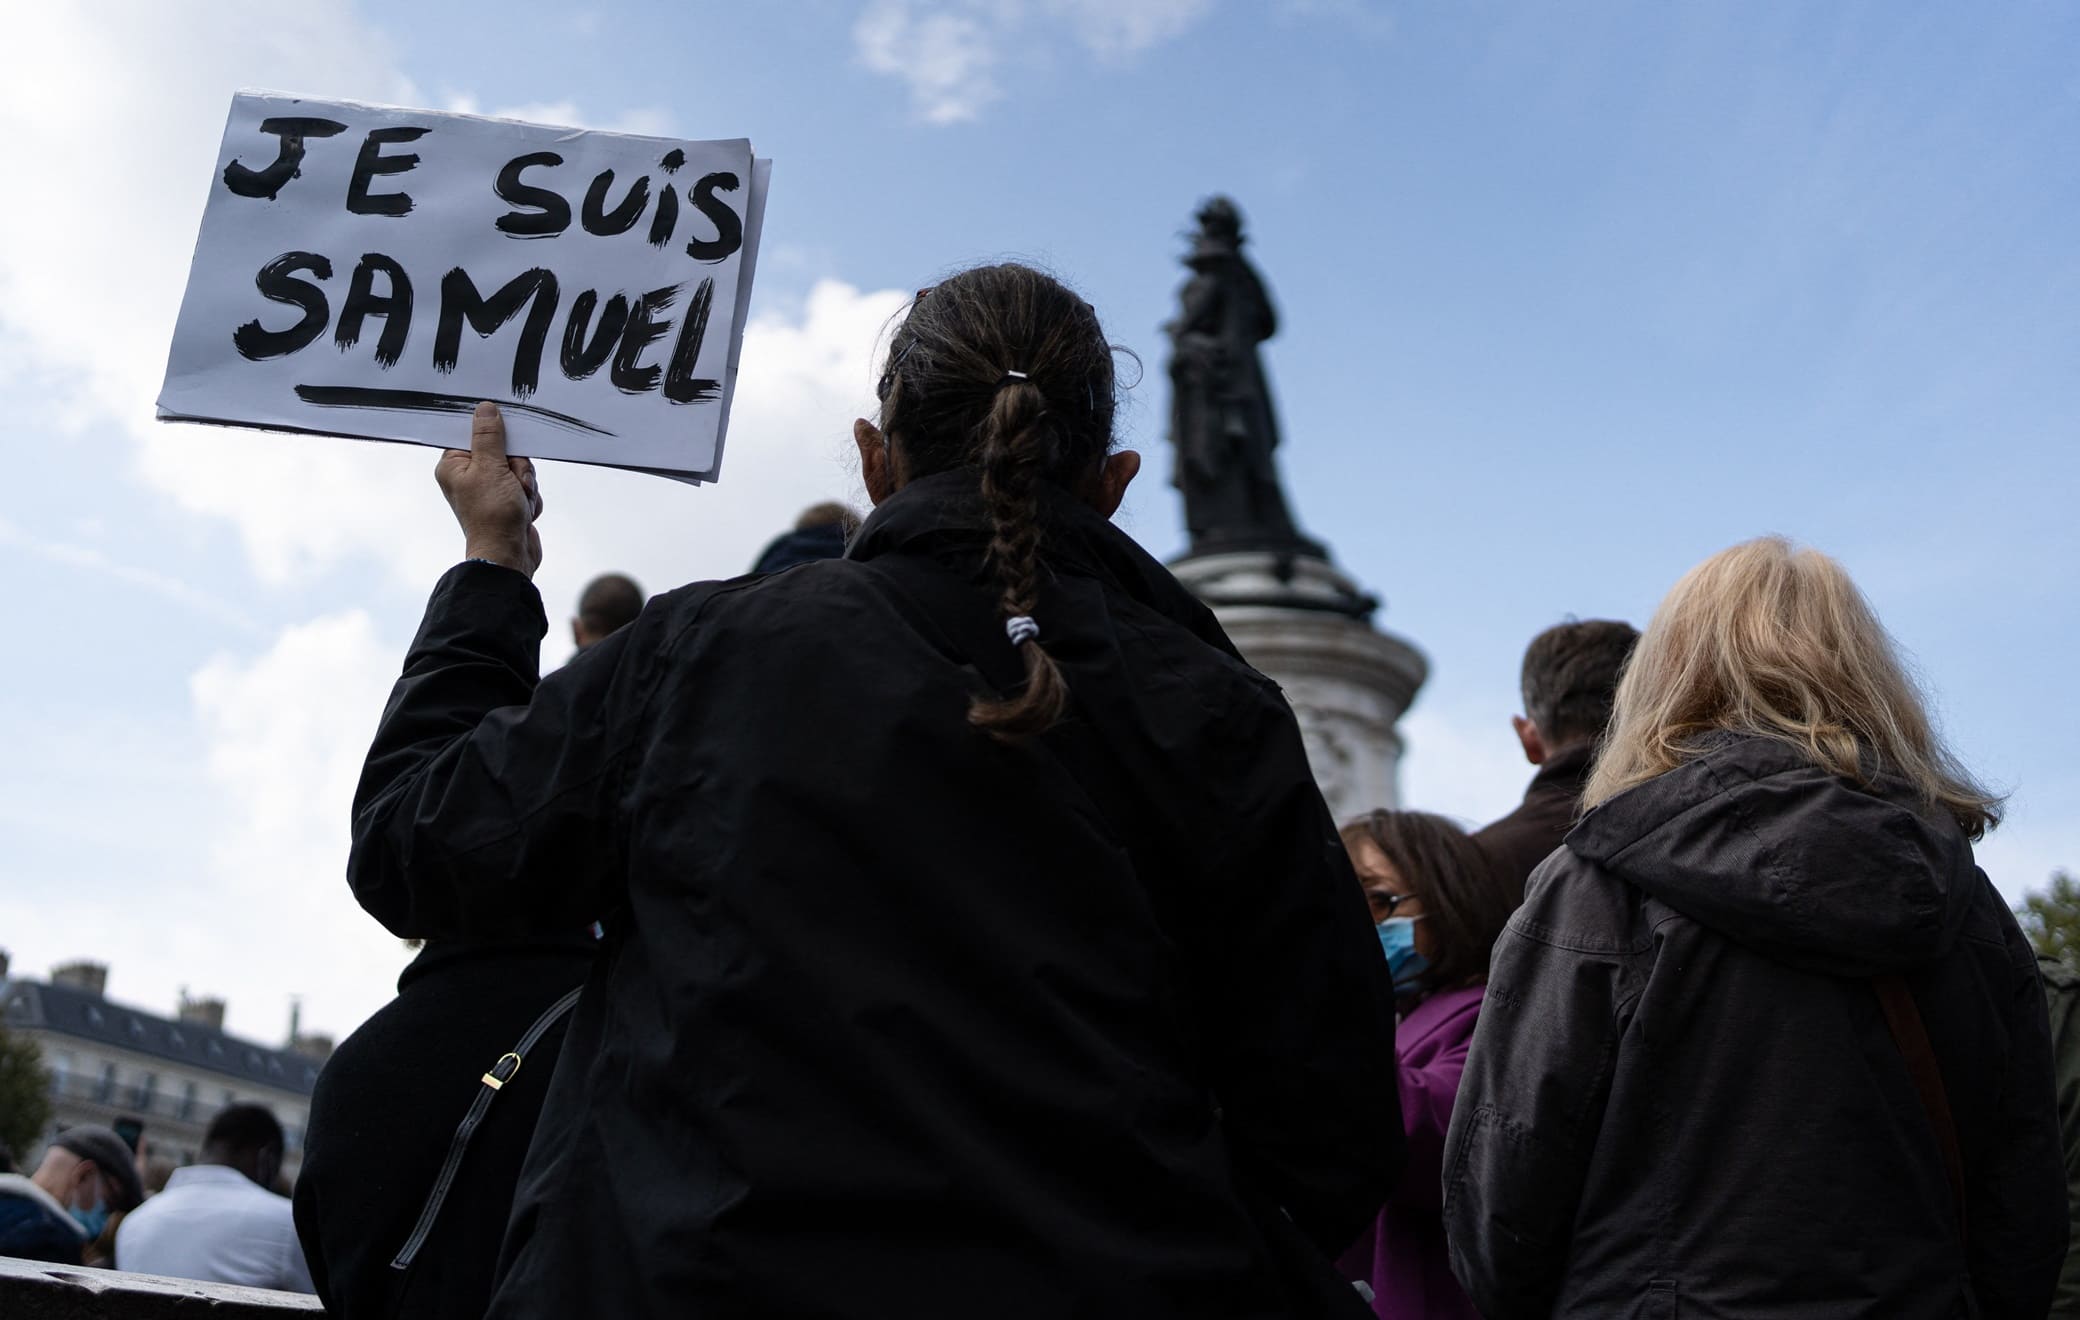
(1221, 419)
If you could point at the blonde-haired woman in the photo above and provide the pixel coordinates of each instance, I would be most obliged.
(1762, 1040)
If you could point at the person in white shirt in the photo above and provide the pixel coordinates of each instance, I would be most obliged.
(217, 1220)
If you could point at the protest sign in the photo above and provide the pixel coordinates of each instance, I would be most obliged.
(371, 271)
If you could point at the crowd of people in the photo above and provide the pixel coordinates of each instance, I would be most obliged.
(943, 920)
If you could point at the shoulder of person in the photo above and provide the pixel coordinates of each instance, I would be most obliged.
(1573, 903)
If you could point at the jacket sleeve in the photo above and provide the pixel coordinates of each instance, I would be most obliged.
(2063, 994)
(1532, 1098)
(2015, 1193)
(486, 806)
(1302, 1031)
(1428, 1095)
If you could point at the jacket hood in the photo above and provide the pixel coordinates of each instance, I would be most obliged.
(1806, 868)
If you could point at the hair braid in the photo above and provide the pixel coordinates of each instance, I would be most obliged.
(1003, 371)
(1015, 455)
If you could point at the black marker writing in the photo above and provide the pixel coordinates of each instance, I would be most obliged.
(667, 217)
(395, 307)
(460, 301)
(680, 384)
(288, 161)
(629, 375)
(580, 357)
(278, 283)
(598, 220)
(372, 162)
(552, 214)
(729, 230)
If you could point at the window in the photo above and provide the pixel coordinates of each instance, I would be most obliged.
(147, 1092)
(107, 1088)
(187, 1109)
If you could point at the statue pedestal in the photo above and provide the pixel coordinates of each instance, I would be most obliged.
(1308, 627)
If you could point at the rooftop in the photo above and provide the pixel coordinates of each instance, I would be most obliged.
(69, 1011)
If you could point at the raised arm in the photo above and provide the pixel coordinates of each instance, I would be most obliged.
(487, 804)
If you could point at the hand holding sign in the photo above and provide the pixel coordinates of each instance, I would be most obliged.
(361, 267)
(496, 499)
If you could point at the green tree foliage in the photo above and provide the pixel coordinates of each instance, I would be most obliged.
(2052, 919)
(25, 1093)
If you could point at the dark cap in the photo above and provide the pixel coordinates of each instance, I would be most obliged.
(91, 1141)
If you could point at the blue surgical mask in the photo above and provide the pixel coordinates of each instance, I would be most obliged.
(93, 1219)
(1397, 939)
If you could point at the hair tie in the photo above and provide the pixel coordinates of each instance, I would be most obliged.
(1010, 376)
(1021, 629)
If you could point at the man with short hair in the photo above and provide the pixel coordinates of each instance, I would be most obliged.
(217, 1220)
(609, 602)
(819, 533)
(87, 1174)
(1570, 676)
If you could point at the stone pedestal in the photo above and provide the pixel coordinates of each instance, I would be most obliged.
(1307, 626)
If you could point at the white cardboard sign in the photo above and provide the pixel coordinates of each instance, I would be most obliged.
(370, 271)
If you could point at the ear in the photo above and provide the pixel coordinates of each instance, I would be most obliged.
(1113, 479)
(84, 1175)
(577, 633)
(1535, 750)
(876, 464)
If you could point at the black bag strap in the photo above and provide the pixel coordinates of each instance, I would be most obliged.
(1911, 1035)
(494, 1081)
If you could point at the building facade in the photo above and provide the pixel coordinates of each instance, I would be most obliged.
(110, 1061)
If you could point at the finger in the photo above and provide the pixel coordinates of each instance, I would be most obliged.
(487, 434)
(450, 462)
(530, 481)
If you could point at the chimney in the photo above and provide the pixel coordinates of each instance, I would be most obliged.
(3, 964)
(91, 977)
(207, 1012)
(317, 1047)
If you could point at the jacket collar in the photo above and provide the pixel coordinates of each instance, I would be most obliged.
(943, 515)
(1565, 771)
(15, 1184)
(1438, 1011)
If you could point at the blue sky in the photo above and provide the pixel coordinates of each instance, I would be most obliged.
(1574, 295)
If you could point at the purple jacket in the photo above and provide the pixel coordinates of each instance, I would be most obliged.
(1403, 1254)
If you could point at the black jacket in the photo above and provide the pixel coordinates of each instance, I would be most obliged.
(1517, 843)
(893, 1019)
(1683, 1098)
(384, 1114)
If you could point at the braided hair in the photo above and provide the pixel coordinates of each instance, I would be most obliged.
(1003, 370)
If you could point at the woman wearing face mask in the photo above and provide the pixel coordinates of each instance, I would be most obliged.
(1439, 906)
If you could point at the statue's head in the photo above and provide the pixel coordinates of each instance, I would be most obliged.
(1220, 232)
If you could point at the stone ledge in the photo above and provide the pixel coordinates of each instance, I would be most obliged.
(33, 1290)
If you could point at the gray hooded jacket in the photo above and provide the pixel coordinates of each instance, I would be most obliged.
(1683, 1098)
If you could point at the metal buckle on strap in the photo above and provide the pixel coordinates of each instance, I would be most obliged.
(500, 1074)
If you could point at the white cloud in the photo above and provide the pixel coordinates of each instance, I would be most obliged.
(646, 121)
(285, 734)
(947, 56)
(1111, 29)
(948, 52)
(121, 105)
(90, 559)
